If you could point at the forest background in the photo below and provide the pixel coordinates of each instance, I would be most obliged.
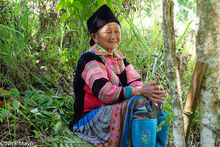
(41, 42)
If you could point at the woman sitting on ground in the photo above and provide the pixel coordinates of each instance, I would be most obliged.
(109, 91)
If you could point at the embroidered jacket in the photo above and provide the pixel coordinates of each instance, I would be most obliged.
(102, 78)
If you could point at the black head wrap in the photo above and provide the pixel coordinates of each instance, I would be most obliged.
(100, 18)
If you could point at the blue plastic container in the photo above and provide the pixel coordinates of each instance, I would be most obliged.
(144, 132)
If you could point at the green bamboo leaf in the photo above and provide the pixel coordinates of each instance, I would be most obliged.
(15, 104)
(64, 17)
(58, 127)
(4, 93)
(36, 134)
(100, 3)
(28, 94)
(60, 5)
(6, 27)
(49, 93)
(110, 4)
(118, 1)
(78, 5)
(14, 92)
(181, 38)
(71, 1)
(70, 114)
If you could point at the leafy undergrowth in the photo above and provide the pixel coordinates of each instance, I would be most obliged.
(41, 119)
(38, 118)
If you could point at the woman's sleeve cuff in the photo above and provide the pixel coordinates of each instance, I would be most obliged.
(128, 92)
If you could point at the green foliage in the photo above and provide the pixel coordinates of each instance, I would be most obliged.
(189, 4)
(169, 118)
(146, 44)
(149, 5)
(185, 6)
(65, 137)
(32, 56)
(46, 112)
(16, 32)
(182, 36)
(81, 10)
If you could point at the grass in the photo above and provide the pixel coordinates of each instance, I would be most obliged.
(37, 117)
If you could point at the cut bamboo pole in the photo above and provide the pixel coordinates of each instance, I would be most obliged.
(192, 97)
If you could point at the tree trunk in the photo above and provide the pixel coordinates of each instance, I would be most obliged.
(208, 49)
(173, 73)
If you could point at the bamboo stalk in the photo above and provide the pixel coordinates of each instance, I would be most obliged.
(192, 97)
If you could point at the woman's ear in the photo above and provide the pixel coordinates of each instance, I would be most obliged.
(94, 37)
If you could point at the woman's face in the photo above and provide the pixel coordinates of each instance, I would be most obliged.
(108, 37)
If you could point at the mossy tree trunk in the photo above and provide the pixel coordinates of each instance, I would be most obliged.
(208, 49)
(173, 73)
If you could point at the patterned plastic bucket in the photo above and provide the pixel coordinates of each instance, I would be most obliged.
(144, 132)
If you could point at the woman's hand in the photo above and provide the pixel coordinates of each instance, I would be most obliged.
(151, 91)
